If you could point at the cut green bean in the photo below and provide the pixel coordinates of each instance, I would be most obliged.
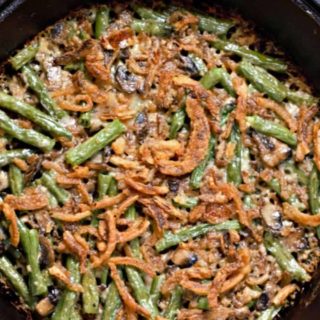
(28, 136)
(313, 191)
(234, 166)
(269, 314)
(24, 56)
(284, 258)
(149, 14)
(183, 201)
(136, 281)
(31, 246)
(151, 27)
(272, 129)
(254, 57)
(301, 176)
(299, 98)
(214, 25)
(68, 299)
(37, 85)
(155, 290)
(90, 296)
(177, 123)
(45, 122)
(7, 156)
(198, 172)
(16, 180)
(174, 304)
(263, 81)
(15, 278)
(113, 188)
(225, 112)
(172, 239)
(85, 119)
(102, 22)
(94, 144)
(113, 303)
(48, 180)
(203, 303)
(104, 181)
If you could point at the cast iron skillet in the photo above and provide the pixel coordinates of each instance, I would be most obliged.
(294, 24)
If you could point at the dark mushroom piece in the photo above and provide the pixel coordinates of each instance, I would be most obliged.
(184, 258)
(189, 66)
(262, 302)
(141, 126)
(128, 82)
(272, 151)
(47, 256)
(272, 216)
(174, 185)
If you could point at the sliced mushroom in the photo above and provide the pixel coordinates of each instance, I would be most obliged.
(128, 82)
(272, 151)
(189, 66)
(46, 252)
(184, 258)
(272, 216)
(141, 126)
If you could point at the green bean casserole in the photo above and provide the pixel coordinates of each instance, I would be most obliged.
(156, 163)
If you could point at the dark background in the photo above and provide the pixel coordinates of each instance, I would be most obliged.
(295, 24)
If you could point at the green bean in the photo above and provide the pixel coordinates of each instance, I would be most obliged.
(215, 76)
(94, 144)
(90, 296)
(234, 166)
(299, 98)
(225, 112)
(85, 119)
(263, 80)
(28, 136)
(284, 258)
(135, 280)
(113, 303)
(151, 27)
(113, 188)
(172, 239)
(44, 121)
(313, 190)
(301, 176)
(68, 299)
(75, 314)
(254, 57)
(213, 25)
(272, 129)
(155, 290)
(24, 56)
(149, 14)
(174, 304)
(15, 278)
(269, 314)
(30, 244)
(183, 201)
(7, 156)
(177, 123)
(102, 21)
(104, 181)
(198, 172)
(75, 66)
(203, 303)
(49, 182)
(37, 85)
(16, 180)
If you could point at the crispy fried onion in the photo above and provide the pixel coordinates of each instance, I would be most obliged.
(112, 242)
(138, 228)
(156, 213)
(137, 263)
(169, 209)
(31, 199)
(304, 219)
(107, 201)
(76, 245)
(279, 110)
(124, 293)
(62, 274)
(146, 189)
(79, 103)
(229, 276)
(316, 144)
(11, 216)
(241, 110)
(280, 298)
(304, 131)
(197, 146)
(69, 217)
